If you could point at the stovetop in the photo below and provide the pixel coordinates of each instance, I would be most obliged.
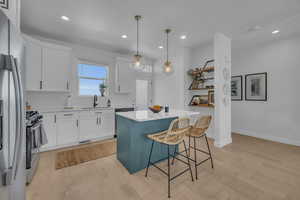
(32, 117)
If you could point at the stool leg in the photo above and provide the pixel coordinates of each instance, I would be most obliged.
(186, 153)
(169, 172)
(189, 146)
(195, 156)
(174, 155)
(212, 164)
(149, 159)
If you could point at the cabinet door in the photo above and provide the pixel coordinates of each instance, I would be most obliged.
(125, 77)
(107, 123)
(67, 128)
(33, 66)
(49, 122)
(55, 70)
(88, 126)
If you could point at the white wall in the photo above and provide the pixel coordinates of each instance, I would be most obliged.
(278, 118)
(169, 89)
(42, 100)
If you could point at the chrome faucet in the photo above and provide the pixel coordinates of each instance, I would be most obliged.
(95, 101)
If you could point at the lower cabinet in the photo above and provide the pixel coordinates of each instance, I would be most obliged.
(88, 127)
(49, 122)
(68, 128)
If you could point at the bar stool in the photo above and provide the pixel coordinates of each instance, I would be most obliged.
(171, 137)
(198, 131)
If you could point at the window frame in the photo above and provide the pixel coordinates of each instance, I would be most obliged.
(106, 80)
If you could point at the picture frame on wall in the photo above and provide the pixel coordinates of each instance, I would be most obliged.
(237, 88)
(256, 87)
(4, 4)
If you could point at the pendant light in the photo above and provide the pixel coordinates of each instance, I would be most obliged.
(137, 56)
(168, 69)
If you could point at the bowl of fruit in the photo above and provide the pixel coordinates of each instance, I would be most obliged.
(155, 108)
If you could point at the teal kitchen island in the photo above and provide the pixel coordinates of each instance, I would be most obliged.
(133, 146)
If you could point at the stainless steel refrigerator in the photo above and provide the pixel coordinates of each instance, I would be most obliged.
(12, 116)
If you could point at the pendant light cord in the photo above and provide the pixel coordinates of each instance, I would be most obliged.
(167, 46)
(137, 36)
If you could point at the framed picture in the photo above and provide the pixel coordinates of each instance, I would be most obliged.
(237, 88)
(4, 4)
(211, 97)
(256, 87)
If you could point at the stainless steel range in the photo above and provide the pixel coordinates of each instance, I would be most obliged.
(35, 138)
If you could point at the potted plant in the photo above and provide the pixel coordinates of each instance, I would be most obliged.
(102, 88)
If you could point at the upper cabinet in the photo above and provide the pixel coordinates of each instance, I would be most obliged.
(33, 64)
(47, 67)
(12, 10)
(55, 69)
(125, 77)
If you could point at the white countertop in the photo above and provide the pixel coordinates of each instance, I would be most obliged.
(147, 115)
(50, 110)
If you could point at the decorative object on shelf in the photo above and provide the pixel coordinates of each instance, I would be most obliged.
(168, 68)
(199, 100)
(201, 75)
(4, 4)
(237, 88)
(137, 56)
(256, 87)
(102, 88)
(155, 108)
(211, 97)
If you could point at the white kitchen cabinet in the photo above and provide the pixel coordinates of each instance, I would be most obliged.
(107, 123)
(125, 80)
(67, 128)
(55, 69)
(49, 123)
(88, 126)
(33, 62)
(47, 66)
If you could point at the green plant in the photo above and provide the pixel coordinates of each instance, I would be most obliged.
(102, 85)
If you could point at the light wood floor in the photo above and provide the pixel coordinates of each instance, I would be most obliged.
(249, 168)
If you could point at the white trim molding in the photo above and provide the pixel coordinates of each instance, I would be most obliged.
(267, 137)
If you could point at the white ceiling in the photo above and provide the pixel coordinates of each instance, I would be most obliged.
(100, 23)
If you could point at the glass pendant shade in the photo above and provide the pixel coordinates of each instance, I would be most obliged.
(168, 67)
(137, 60)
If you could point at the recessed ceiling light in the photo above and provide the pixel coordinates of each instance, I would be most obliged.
(65, 18)
(160, 47)
(124, 36)
(275, 31)
(183, 37)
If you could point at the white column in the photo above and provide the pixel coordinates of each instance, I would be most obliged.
(222, 56)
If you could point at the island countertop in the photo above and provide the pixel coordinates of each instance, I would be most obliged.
(147, 115)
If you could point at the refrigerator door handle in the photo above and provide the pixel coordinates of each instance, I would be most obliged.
(7, 62)
(20, 115)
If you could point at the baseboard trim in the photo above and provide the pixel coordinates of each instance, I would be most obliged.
(267, 137)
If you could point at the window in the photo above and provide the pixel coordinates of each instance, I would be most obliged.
(90, 78)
